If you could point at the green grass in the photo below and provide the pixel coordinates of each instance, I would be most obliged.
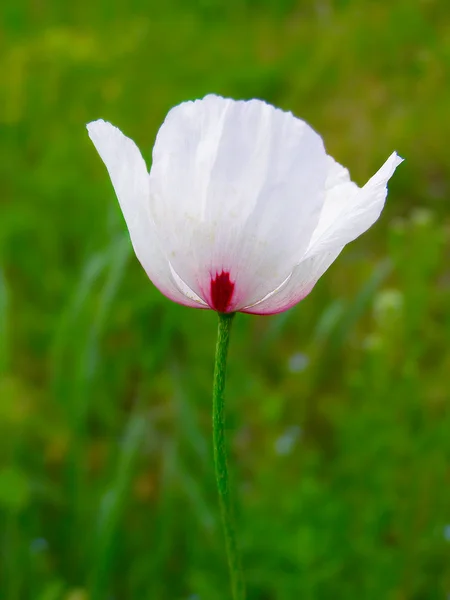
(341, 469)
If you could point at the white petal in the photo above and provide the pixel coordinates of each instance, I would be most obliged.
(348, 210)
(336, 174)
(238, 187)
(302, 280)
(129, 177)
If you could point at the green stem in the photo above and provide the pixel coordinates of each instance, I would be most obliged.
(220, 456)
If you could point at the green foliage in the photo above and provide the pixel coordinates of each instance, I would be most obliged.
(338, 410)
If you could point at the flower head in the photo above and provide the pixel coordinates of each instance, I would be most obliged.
(242, 210)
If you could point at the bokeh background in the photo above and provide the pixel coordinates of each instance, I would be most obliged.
(338, 410)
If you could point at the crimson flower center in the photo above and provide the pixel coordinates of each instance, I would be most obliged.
(222, 289)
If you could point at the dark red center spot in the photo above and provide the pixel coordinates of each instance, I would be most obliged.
(222, 289)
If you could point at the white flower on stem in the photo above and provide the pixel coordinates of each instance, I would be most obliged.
(242, 210)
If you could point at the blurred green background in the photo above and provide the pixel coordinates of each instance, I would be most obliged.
(338, 410)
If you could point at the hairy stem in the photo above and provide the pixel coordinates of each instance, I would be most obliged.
(220, 456)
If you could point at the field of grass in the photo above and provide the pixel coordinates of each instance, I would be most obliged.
(338, 410)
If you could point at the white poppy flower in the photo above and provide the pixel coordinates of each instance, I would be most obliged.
(242, 210)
